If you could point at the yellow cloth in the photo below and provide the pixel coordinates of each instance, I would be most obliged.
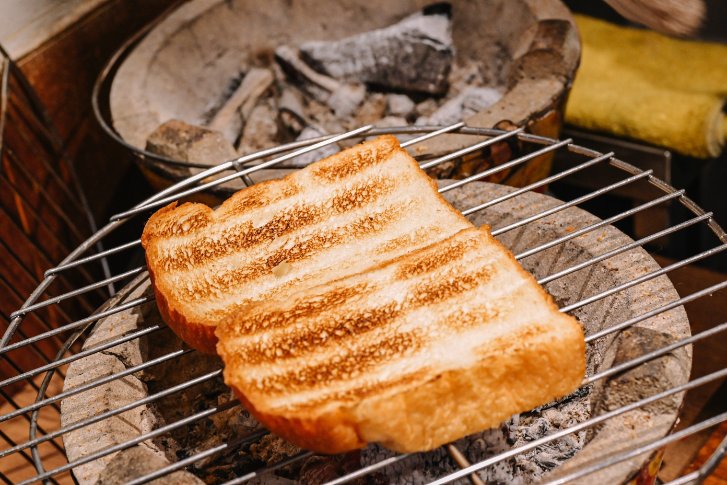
(643, 85)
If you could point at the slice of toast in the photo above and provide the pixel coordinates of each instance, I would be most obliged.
(339, 216)
(445, 341)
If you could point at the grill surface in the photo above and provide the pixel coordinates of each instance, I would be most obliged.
(43, 408)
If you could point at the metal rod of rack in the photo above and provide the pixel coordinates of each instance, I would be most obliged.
(651, 446)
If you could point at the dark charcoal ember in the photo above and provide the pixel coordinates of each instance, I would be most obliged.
(271, 449)
(321, 469)
(391, 57)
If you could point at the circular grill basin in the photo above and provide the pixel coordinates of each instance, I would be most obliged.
(530, 49)
(629, 429)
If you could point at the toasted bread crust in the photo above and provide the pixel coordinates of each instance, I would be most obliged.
(195, 220)
(198, 335)
(513, 373)
(440, 410)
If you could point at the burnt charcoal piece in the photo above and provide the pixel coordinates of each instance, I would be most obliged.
(342, 98)
(230, 117)
(310, 157)
(189, 143)
(391, 57)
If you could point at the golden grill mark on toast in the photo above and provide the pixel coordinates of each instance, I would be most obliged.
(346, 164)
(410, 240)
(172, 221)
(265, 320)
(294, 342)
(241, 236)
(261, 195)
(362, 390)
(437, 290)
(467, 319)
(202, 288)
(444, 255)
(344, 366)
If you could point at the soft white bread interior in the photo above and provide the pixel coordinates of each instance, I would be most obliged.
(337, 217)
(439, 343)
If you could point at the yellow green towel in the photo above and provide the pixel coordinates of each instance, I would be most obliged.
(643, 85)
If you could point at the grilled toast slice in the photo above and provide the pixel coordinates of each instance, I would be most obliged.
(445, 341)
(339, 216)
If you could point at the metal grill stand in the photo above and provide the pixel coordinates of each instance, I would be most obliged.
(634, 321)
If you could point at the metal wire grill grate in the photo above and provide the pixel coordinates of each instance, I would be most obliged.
(46, 400)
(43, 216)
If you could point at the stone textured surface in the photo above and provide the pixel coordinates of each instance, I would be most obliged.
(137, 461)
(178, 140)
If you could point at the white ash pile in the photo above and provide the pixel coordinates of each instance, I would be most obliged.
(402, 74)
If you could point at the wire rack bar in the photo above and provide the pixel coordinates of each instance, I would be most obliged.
(80, 355)
(247, 171)
(29, 420)
(654, 354)
(713, 462)
(113, 412)
(134, 441)
(57, 299)
(441, 131)
(17, 406)
(36, 350)
(582, 425)
(604, 222)
(646, 277)
(470, 149)
(572, 203)
(95, 383)
(78, 323)
(93, 257)
(195, 458)
(623, 249)
(505, 166)
(688, 478)
(541, 183)
(651, 446)
(676, 303)
(256, 474)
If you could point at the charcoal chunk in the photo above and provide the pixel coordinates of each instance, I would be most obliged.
(391, 57)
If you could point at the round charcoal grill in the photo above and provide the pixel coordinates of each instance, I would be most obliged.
(176, 422)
